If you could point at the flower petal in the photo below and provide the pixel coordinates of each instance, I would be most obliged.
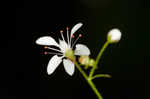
(75, 28)
(69, 66)
(46, 40)
(63, 45)
(82, 50)
(53, 64)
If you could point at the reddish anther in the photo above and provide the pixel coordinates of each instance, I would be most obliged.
(45, 53)
(73, 36)
(67, 28)
(80, 35)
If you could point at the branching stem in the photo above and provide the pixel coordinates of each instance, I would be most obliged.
(97, 59)
(90, 82)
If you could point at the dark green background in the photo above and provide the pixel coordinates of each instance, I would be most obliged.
(127, 61)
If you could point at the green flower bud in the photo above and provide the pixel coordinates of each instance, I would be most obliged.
(84, 60)
(91, 62)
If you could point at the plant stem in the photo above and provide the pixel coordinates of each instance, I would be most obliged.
(98, 58)
(80, 69)
(90, 82)
(92, 85)
(101, 75)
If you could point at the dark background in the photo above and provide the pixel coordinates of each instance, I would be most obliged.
(127, 61)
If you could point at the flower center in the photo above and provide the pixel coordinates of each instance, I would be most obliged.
(69, 54)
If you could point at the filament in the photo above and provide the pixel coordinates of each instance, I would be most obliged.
(52, 49)
(54, 53)
(70, 39)
(61, 32)
(76, 40)
(68, 36)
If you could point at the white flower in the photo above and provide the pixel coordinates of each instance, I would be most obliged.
(65, 51)
(114, 35)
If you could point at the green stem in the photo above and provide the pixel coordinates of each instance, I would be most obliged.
(101, 75)
(92, 85)
(98, 58)
(80, 69)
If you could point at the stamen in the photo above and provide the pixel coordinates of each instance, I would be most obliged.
(72, 39)
(52, 53)
(46, 47)
(76, 40)
(62, 35)
(67, 28)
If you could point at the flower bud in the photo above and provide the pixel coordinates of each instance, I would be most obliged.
(114, 36)
(84, 60)
(91, 62)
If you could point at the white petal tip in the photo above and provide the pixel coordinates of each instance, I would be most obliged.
(79, 24)
(49, 73)
(71, 74)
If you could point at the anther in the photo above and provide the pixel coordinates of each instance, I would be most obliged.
(45, 53)
(61, 31)
(45, 47)
(73, 36)
(67, 28)
(80, 35)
